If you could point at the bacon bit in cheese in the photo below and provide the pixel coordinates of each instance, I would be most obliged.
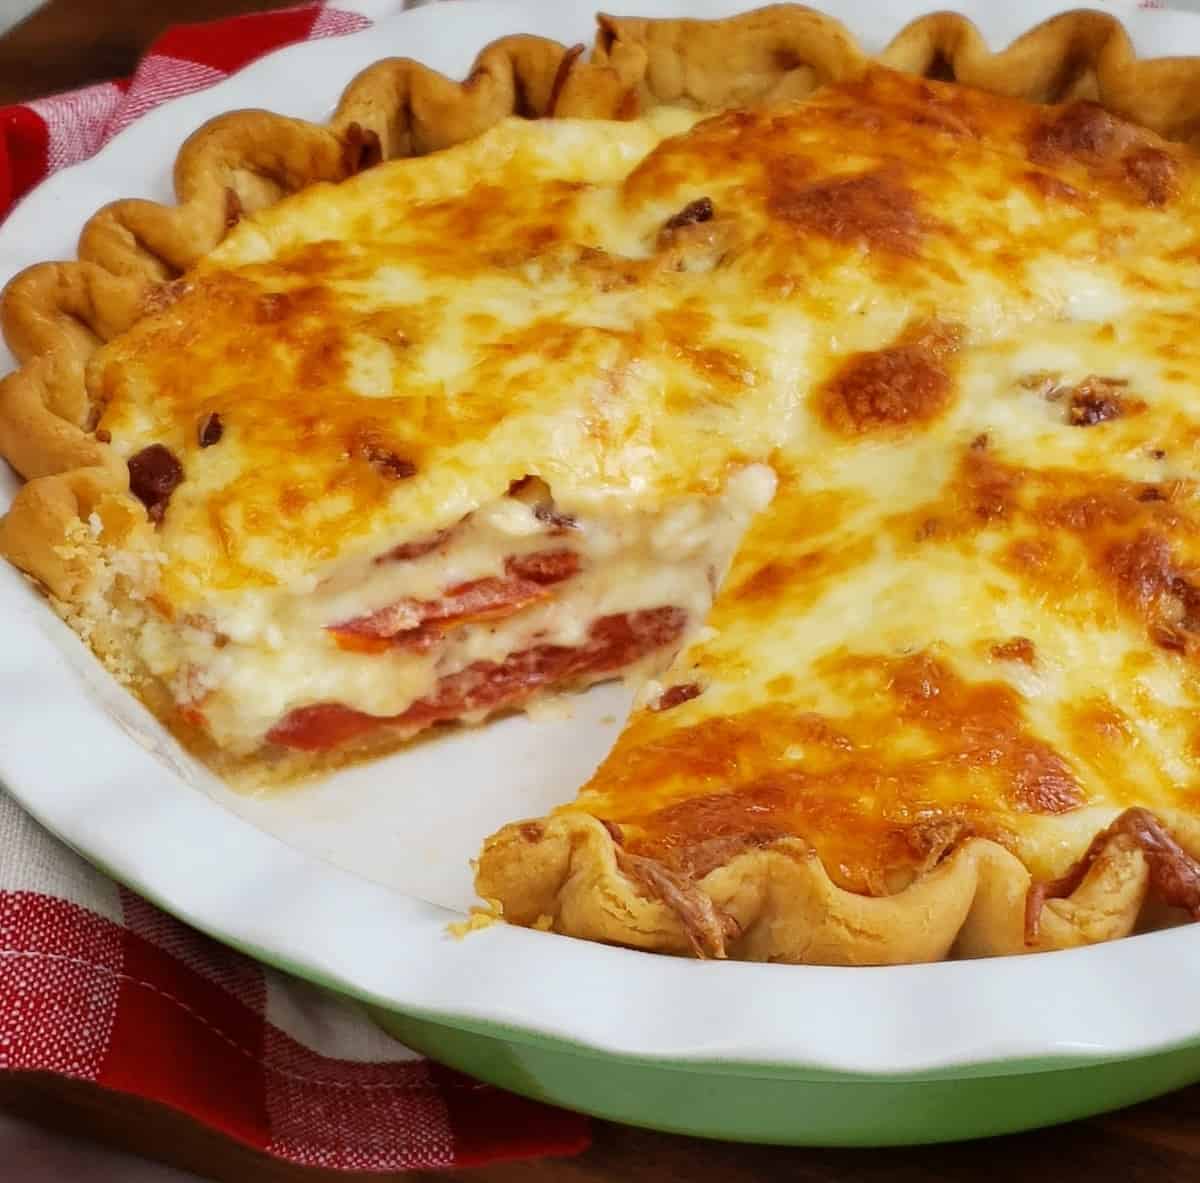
(534, 491)
(700, 210)
(1089, 407)
(556, 519)
(210, 431)
(904, 385)
(387, 463)
(874, 211)
(1016, 649)
(277, 308)
(676, 695)
(1097, 400)
(154, 474)
(191, 714)
(1174, 874)
(699, 245)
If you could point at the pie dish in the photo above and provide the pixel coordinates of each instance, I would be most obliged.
(901, 1054)
(892, 298)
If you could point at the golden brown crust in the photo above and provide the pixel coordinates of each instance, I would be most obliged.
(1077, 55)
(780, 52)
(565, 873)
(774, 901)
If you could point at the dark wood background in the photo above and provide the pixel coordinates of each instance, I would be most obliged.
(69, 43)
(1158, 1142)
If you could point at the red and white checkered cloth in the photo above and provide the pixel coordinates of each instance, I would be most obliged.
(39, 137)
(98, 985)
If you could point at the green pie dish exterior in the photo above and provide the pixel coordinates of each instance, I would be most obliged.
(785, 1106)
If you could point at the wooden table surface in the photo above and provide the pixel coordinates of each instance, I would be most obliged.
(72, 42)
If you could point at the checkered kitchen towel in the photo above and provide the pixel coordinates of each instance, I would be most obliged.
(97, 984)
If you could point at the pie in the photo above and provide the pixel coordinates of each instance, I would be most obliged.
(845, 404)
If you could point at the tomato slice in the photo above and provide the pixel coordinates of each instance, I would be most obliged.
(613, 643)
(544, 566)
(418, 623)
(322, 726)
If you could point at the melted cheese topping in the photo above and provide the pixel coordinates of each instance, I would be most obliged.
(974, 605)
(960, 329)
(458, 323)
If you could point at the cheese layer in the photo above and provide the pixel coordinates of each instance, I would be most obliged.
(960, 330)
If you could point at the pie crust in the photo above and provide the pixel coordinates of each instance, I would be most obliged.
(774, 902)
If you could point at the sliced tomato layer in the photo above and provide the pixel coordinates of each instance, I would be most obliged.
(613, 643)
(419, 623)
(322, 726)
(412, 622)
(543, 566)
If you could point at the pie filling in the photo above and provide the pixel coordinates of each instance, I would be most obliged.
(519, 599)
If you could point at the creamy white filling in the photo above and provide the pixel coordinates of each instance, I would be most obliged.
(249, 661)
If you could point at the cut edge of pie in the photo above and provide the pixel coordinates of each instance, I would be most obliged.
(773, 902)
